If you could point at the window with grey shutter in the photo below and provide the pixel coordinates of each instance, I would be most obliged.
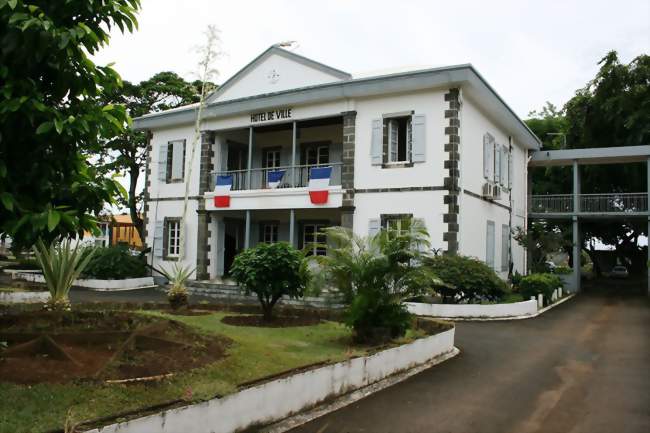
(374, 225)
(158, 237)
(505, 247)
(497, 164)
(419, 138)
(162, 163)
(376, 145)
(510, 161)
(489, 244)
(505, 175)
(178, 156)
(488, 157)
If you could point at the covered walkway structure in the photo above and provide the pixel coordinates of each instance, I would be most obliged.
(579, 207)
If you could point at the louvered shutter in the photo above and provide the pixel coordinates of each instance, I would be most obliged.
(158, 240)
(505, 175)
(487, 157)
(376, 145)
(489, 245)
(418, 138)
(505, 246)
(510, 170)
(177, 159)
(374, 225)
(497, 164)
(162, 163)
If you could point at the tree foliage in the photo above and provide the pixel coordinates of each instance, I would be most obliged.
(375, 274)
(541, 239)
(49, 114)
(271, 271)
(125, 153)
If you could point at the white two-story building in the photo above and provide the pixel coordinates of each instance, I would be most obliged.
(438, 145)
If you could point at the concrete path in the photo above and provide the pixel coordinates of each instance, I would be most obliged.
(583, 367)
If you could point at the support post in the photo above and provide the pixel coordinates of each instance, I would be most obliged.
(576, 187)
(247, 230)
(648, 231)
(293, 154)
(292, 224)
(249, 173)
(576, 253)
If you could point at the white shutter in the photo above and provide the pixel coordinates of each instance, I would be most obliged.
(158, 233)
(505, 246)
(505, 176)
(374, 225)
(489, 245)
(177, 159)
(162, 163)
(393, 134)
(497, 164)
(377, 143)
(487, 156)
(418, 138)
(510, 170)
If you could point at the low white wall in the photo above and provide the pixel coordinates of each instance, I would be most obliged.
(514, 309)
(280, 398)
(124, 284)
(24, 297)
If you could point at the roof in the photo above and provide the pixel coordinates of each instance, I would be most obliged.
(274, 49)
(464, 75)
(592, 155)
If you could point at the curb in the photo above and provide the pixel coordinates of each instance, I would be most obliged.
(493, 319)
(347, 399)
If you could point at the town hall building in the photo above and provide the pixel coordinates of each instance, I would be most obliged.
(290, 146)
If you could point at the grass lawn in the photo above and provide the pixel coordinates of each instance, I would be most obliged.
(256, 353)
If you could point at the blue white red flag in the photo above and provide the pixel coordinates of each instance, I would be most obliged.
(222, 191)
(319, 181)
(274, 178)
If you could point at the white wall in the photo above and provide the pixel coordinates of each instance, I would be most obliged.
(428, 173)
(290, 75)
(475, 212)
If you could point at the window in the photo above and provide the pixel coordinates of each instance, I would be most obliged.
(496, 162)
(176, 161)
(396, 224)
(317, 155)
(102, 240)
(271, 158)
(399, 139)
(269, 233)
(173, 238)
(313, 239)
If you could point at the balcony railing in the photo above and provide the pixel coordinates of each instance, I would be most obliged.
(551, 203)
(589, 203)
(294, 176)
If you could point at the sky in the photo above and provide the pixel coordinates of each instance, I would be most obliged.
(529, 51)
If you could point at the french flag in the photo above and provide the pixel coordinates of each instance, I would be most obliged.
(274, 178)
(222, 191)
(319, 182)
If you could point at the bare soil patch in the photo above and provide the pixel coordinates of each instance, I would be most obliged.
(275, 322)
(60, 347)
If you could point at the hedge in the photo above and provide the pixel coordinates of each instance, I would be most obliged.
(534, 284)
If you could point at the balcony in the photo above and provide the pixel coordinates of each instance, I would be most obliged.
(294, 177)
(605, 204)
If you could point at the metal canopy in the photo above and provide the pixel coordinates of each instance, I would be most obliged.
(593, 155)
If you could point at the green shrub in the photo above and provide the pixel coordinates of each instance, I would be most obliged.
(271, 271)
(534, 284)
(115, 263)
(472, 279)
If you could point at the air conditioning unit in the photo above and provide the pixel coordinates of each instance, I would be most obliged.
(487, 190)
(496, 192)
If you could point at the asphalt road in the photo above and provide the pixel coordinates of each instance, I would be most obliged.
(583, 367)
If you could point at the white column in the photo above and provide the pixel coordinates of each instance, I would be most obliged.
(292, 224)
(293, 153)
(247, 230)
(250, 159)
(576, 225)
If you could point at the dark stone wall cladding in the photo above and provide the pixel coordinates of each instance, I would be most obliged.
(203, 218)
(347, 170)
(147, 190)
(453, 173)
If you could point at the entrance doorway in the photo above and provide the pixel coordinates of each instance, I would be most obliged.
(233, 242)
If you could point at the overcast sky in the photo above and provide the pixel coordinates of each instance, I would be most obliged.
(530, 51)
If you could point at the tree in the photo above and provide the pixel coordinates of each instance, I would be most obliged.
(49, 114)
(611, 110)
(126, 152)
(271, 271)
(540, 240)
(375, 274)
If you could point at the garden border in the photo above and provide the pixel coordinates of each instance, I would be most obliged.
(485, 318)
(92, 283)
(24, 297)
(278, 399)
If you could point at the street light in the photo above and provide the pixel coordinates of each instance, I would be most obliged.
(562, 134)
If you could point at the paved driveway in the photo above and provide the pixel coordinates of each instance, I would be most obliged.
(581, 367)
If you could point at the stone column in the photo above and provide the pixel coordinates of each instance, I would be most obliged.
(147, 191)
(347, 170)
(203, 218)
(451, 182)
